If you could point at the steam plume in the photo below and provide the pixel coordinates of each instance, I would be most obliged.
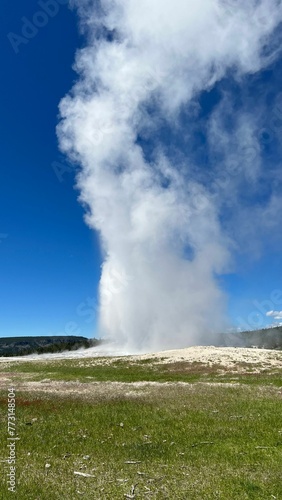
(160, 227)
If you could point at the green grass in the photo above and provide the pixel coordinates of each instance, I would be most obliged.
(122, 371)
(196, 441)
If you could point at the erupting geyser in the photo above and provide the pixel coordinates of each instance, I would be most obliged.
(129, 122)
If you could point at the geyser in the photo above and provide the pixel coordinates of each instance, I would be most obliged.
(142, 69)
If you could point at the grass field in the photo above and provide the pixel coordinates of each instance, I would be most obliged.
(116, 429)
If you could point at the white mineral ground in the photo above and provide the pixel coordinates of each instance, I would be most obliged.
(208, 355)
(235, 361)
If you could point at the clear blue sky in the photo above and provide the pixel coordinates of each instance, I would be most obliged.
(49, 259)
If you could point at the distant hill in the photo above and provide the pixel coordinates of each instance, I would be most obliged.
(22, 346)
(266, 338)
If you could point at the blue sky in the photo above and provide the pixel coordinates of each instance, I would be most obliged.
(49, 259)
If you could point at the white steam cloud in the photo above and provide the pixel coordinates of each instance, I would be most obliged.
(164, 245)
(275, 314)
